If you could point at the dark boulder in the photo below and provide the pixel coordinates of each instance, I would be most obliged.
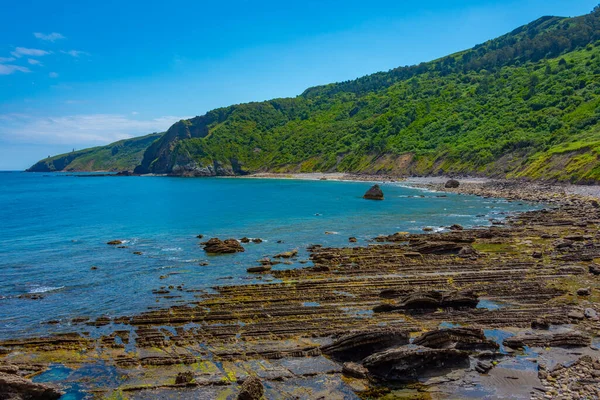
(115, 242)
(252, 389)
(358, 345)
(374, 193)
(260, 268)
(452, 184)
(183, 378)
(470, 339)
(568, 339)
(429, 300)
(462, 299)
(437, 248)
(218, 246)
(408, 363)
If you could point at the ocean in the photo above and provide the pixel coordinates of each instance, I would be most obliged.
(55, 227)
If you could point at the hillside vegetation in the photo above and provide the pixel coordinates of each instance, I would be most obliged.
(123, 155)
(523, 105)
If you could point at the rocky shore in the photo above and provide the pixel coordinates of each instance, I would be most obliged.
(509, 310)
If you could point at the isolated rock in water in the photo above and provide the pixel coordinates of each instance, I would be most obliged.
(374, 193)
(352, 239)
(569, 339)
(287, 254)
(407, 363)
(115, 242)
(456, 338)
(15, 387)
(452, 184)
(245, 240)
(257, 240)
(218, 246)
(356, 346)
(252, 389)
(260, 268)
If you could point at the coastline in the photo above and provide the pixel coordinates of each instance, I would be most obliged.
(525, 270)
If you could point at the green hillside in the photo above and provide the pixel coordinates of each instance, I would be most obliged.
(523, 105)
(123, 155)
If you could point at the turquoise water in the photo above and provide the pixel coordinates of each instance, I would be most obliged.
(54, 228)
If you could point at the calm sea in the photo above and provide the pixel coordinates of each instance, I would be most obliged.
(54, 228)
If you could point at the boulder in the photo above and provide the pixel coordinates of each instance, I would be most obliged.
(456, 338)
(374, 193)
(352, 239)
(568, 339)
(354, 370)
(245, 240)
(15, 387)
(483, 366)
(218, 246)
(356, 346)
(252, 389)
(183, 378)
(584, 291)
(452, 184)
(591, 314)
(594, 269)
(408, 363)
(115, 242)
(287, 254)
(456, 227)
(257, 240)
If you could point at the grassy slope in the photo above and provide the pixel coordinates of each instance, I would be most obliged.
(119, 156)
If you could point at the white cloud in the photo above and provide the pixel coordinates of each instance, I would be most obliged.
(50, 37)
(53, 75)
(7, 69)
(23, 51)
(78, 130)
(6, 59)
(33, 61)
(75, 53)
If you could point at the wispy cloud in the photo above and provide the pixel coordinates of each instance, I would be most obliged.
(75, 53)
(6, 59)
(53, 75)
(50, 37)
(23, 51)
(33, 61)
(78, 130)
(8, 69)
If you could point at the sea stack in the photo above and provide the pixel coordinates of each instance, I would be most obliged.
(374, 193)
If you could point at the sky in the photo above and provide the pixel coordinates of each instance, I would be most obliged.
(75, 74)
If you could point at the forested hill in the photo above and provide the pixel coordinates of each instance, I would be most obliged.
(123, 155)
(523, 105)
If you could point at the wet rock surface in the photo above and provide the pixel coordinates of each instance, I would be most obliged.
(358, 345)
(16, 387)
(510, 282)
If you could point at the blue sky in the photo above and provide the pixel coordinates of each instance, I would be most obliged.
(75, 74)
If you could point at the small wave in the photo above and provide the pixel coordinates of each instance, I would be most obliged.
(171, 249)
(44, 289)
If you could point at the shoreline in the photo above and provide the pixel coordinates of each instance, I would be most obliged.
(527, 272)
